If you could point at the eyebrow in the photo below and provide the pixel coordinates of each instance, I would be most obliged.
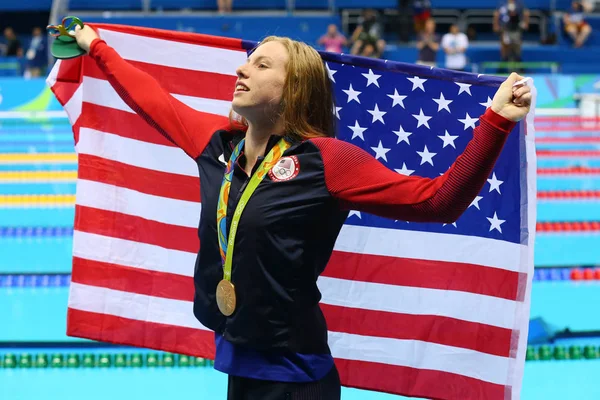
(262, 58)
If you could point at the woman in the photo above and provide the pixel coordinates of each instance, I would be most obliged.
(275, 191)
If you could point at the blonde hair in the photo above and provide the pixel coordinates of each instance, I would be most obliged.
(307, 102)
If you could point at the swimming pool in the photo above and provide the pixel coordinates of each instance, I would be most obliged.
(38, 170)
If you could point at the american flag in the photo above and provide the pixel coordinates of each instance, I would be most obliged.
(427, 310)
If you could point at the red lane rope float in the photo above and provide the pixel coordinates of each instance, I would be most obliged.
(568, 194)
(569, 171)
(569, 140)
(571, 118)
(576, 226)
(568, 153)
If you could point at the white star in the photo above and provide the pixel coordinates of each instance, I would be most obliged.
(352, 94)
(464, 87)
(448, 139)
(404, 170)
(495, 223)
(402, 135)
(357, 131)
(422, 118)
(377, 115)
(488, 103)
(417, 83)
(330, 72)
(426, 156)
(454, 223)
(353, 212)
(380, 151)
(372, 78)
(443, 103)
(476, 202)
(495, 183)
(336, 112)
(398, 99)
(469, 122)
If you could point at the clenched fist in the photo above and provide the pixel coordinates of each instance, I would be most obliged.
(512, 103)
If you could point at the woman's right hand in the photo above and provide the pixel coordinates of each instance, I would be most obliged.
(85, 36)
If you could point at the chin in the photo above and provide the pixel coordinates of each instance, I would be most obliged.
(240, 109)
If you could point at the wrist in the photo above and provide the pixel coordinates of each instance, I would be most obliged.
(499, 120)
(93, 45)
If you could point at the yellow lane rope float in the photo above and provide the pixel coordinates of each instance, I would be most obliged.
(36, 158)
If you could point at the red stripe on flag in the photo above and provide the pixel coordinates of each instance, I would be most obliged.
(136, 229)
(132, 280)
(430, 384)
(119, 330)
(67, 80)
(178, 80)
(120, 123)
(435, 329)
(441, 275)
(174, 36)
(431, 328)
(157, 183)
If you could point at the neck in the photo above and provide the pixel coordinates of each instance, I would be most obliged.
(257, 137)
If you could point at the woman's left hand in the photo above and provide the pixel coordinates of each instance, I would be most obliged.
(512, 103)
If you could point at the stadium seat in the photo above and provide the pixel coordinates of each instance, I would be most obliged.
(29, 5)
(105, 5)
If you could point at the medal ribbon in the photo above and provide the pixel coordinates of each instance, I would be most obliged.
(225, 242)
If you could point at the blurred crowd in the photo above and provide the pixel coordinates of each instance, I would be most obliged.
(510, 21)
(415, 25)
(33, 56)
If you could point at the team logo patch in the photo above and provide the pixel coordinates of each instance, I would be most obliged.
(286, 168)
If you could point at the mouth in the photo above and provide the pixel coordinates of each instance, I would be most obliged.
(240, 87)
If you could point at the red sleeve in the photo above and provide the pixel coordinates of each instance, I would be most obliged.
(189, 129)
(362, 183)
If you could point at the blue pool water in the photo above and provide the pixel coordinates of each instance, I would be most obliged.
(38, 314)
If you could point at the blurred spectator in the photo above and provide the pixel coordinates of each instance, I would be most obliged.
(225, 6)
(403, 20)
(333, 40)
(13, 45)
(510, 20)
(35, 55)
(575, 24)
(369, 51)
(455, 44)
(368, 32)
(428, 44)
(421, 14)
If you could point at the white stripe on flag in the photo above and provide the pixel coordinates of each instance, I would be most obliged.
(74, 105)
(343, 345)
(432, 246)
(170, 53)
(133, 306)
(373, 296)
(90, 246)
(126, 201)
(135, 152)
(51, 79)
(100, 92)
(421, 355)
(212, 106)
(418, 301)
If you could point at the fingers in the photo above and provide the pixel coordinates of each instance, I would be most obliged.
(513, 78)
(520, 91)
(523, 101)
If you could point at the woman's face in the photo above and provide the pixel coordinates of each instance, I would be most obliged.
(261, 79)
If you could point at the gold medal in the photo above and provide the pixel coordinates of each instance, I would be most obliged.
(226, 297)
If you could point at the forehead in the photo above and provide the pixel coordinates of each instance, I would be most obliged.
(273, 50)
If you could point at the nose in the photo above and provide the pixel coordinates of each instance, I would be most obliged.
(241, 71)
